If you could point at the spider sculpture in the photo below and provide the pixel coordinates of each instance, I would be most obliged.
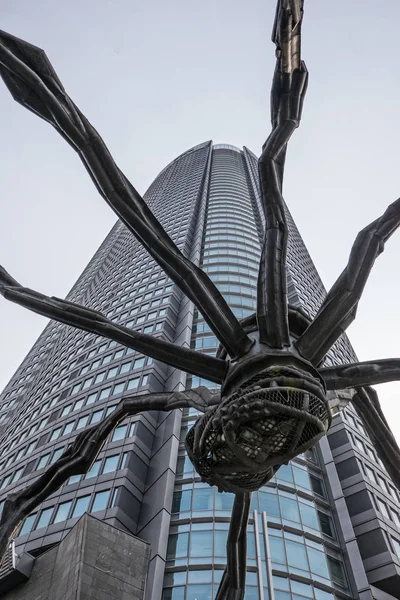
(273, 403)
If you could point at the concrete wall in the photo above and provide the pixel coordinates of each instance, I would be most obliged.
(94, 561)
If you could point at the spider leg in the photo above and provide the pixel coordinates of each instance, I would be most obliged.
(340, 305)
(90, 320)
(368, 407)
(287, 96)
(369, 372)
(78, 458)
(32, 81)
(232, 586)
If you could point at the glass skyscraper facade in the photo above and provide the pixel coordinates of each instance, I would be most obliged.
(326, 527)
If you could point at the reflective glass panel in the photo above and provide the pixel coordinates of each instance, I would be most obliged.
(62, 512)
(201, 543)
(81, 506)
(27, 526)
(100, 500)
(44, 518)
(111, 464)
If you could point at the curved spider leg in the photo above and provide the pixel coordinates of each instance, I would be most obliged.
(370, 372)
(287, 96)
(32, 81)
(90, 320)
(340, 305)
(232, 586)
(368, 407)
(286, 35)
(79, 457)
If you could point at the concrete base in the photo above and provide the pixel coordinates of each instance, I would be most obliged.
(94, 561)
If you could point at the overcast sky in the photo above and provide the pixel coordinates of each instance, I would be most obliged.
(156, 78)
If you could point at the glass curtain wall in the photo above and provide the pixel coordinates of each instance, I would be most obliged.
(293, 552)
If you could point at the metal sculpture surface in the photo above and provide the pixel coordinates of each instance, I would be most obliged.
(273, 403)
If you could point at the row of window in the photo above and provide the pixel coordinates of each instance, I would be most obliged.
(278, 505)
(387, 511)
(109, 464)
(288, 551)
(39, 352)
(99, 396)
(252, 270)
(377, 479)
(231, 225)
(121, 432)
(199, 587)
(223, 258)
(69, 510)
(234, 279)
(126, 367)
(238, 212)
(113, 372)
(365, 448)
(219, 207)
(292, 474)
(138, 363)
(95, 417)
(232, 249)
(42, 393)
(100, 349)
(214, 241)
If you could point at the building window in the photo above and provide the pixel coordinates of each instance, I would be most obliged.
(57, 455)
(119, 433)
(73, 479)
(370, 473)
(96, 416)
(17, 474)
(66, 410)
(326, 524)
(105, 393)
(133, 383)
(91, 398)
(317, 486)
(68, 428)
(76, 389)
(94, 469)
(100, 501)
(111, 464)
(82, 422)
(55, 434)
(112, 373)
(28, 523)
(124, 460)
(81, 506)
(382, 508)
(44, 519)
(43, 461)
(78, 404)
(100, 377)
(62, 512)
(336, 571)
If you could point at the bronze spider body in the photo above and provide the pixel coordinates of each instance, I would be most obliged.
(273, 403)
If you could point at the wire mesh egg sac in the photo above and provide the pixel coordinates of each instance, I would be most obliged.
(239, 444)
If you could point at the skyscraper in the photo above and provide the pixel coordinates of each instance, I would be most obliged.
(325, 527)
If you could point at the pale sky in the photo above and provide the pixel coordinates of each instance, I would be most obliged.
(156, 78)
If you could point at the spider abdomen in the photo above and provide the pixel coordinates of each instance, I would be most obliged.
(241, 442)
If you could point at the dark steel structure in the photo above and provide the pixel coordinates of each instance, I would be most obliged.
(273, 403)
